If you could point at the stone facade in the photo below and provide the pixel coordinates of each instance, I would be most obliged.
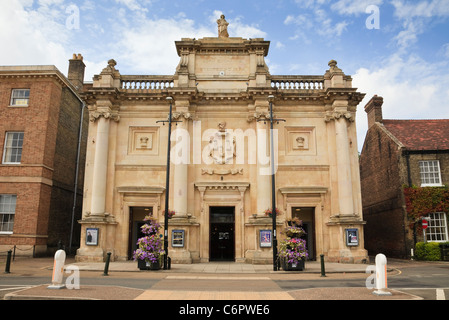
(220, 158)
(43, 180)
(388, 162)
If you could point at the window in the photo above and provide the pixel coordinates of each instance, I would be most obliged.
(7, 212)
(430, 173)
(12, 152)
(437, 228)
(20, 97)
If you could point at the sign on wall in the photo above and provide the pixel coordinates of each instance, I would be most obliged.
(92, 236)
(265, 238)
(352, 237)
(177, 238)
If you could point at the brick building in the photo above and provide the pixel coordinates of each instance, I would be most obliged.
(39, 130)
(399, 153)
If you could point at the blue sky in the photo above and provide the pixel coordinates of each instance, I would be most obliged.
(405, 59)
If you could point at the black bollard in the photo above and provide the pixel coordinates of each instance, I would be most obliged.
(8, 262)
(323, 272)
(106, 266)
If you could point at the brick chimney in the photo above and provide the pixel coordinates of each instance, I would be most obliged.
(374, 110)
(76, 71)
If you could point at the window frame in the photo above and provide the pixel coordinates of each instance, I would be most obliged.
(12, 102)
(431, 234)
(421, 173)
(6, 148)
(10, 214)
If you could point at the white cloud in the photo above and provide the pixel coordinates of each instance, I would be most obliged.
(415, 17)
(317, 20)
(411, 87)
(134, 5)
(354, 7)
(424, 9)
(33, 36)
(154, 52)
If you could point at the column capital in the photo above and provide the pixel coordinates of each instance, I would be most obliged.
(336, 115)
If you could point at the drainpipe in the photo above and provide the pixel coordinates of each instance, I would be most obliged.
(409, 181)
(75, 188)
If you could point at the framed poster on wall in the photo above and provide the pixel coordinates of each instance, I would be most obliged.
(352, 237)
(265, 238)
(92, 236)
(177, 238)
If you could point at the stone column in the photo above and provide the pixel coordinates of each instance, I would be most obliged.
(263, 169)
(100, 168)
(182, 140)
(180, 176)
(345, 194)
(102, 115)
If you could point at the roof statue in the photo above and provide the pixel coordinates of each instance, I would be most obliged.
(222, 27)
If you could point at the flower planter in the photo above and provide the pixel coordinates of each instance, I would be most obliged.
(298, 266)
(143, 265)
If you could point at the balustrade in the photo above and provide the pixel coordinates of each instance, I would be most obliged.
(298, 83)
(147, 83)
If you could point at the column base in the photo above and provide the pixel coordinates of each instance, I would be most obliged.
(95, 250)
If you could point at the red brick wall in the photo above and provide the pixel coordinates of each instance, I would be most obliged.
(381, 182)
(40, 124)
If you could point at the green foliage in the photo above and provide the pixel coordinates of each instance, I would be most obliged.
(421, 202)
(429, 251)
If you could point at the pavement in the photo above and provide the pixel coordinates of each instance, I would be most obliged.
(198, 282)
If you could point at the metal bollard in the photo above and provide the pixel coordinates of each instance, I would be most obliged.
(106, 266)
(8, 262)
(323, 271)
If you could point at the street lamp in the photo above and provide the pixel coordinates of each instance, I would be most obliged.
(273, 183)
(167, 182)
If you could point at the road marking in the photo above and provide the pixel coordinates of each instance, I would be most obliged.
(214, 278)
(440, 294)
(14, 288)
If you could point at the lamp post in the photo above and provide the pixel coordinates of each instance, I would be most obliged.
(273, 183)
(167, 182)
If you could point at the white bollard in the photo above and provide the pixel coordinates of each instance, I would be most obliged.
(381, 276)
(58, 270)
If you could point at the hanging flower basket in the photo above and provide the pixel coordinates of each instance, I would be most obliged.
(171, 213)
(150, 251)
(269, 212)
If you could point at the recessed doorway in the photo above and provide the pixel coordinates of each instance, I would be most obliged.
(307, 216)
(222, 234)
(136, 216)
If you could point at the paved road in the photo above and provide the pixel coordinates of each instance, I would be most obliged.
(410, 280)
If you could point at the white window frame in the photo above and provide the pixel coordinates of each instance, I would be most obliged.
(430, 165)
(437, 227)
(20, 95)
(8, 209)
(6, 148)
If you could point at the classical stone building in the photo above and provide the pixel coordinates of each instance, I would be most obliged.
(399, 153)
(40, 123)
(220, 182)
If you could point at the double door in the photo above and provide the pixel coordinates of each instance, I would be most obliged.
(222, 234)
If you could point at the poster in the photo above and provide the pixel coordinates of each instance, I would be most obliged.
(265, 238)
(177, 238)
(92, 236)
(352, 237)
